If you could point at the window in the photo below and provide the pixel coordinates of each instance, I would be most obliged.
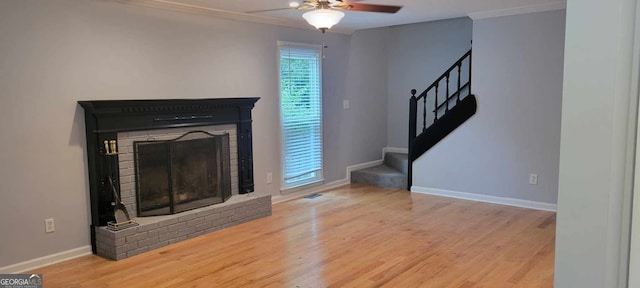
(300, 114)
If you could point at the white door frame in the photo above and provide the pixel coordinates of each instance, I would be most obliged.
(633, 272)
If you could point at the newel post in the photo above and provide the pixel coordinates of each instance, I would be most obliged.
(413, 114)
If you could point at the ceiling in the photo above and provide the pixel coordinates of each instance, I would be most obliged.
(413, 11)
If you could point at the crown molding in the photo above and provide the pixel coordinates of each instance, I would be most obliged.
(193, 9)
(519, 10)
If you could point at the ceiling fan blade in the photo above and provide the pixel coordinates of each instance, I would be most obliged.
(374, 8)
(268, 10)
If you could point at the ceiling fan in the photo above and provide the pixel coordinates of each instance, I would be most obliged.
(326, 13)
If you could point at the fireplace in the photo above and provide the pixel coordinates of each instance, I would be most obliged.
(181, 174)
(151, 174)
(163, 157)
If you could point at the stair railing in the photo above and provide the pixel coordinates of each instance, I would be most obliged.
(413, 103)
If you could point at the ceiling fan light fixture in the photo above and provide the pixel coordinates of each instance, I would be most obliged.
(323, 19)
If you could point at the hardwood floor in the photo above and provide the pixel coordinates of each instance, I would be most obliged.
(354, 236)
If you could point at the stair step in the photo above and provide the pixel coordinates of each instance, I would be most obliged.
(381, 176)
(398, 161)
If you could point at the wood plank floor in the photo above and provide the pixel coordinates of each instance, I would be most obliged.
(353, 236)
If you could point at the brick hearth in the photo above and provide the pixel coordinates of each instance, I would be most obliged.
(160, 231)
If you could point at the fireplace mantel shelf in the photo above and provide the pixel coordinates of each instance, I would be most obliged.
(136, 115)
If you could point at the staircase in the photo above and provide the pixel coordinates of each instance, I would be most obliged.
(452, 106)
(445, 105)
(391, 174)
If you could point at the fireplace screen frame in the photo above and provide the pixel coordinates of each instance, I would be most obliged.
(220, 149)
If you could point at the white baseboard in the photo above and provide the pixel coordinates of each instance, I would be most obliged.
(374, 163)
(327, 186)
(307, 192)
(486, 198)
(46, 260)
(386, 150)
(361, 166)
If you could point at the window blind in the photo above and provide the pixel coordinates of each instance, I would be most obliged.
(300, 115)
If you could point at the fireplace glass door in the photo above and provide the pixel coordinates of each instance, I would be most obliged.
(186, 173)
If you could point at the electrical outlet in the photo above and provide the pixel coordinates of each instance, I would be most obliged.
(345, 104)
(533, 179)
(269, 178)
(49, 225)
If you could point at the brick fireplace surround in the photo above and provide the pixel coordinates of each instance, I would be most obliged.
(111, 120)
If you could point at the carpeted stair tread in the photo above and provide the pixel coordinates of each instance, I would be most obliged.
(398, 161)
(381, 176)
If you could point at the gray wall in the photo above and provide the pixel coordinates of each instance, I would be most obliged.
(517, 79)
(54, 53)
(598, 128)
(418, 54)
(367, 94)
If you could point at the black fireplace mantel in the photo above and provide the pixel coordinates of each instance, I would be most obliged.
(105, 118)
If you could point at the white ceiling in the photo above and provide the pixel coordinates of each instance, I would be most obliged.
(413, 11)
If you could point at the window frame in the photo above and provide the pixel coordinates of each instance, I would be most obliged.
(319, 179)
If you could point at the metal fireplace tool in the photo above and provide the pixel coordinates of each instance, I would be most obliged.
(120, 213)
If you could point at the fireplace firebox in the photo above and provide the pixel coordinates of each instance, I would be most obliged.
(174, 176)
(105, 120)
